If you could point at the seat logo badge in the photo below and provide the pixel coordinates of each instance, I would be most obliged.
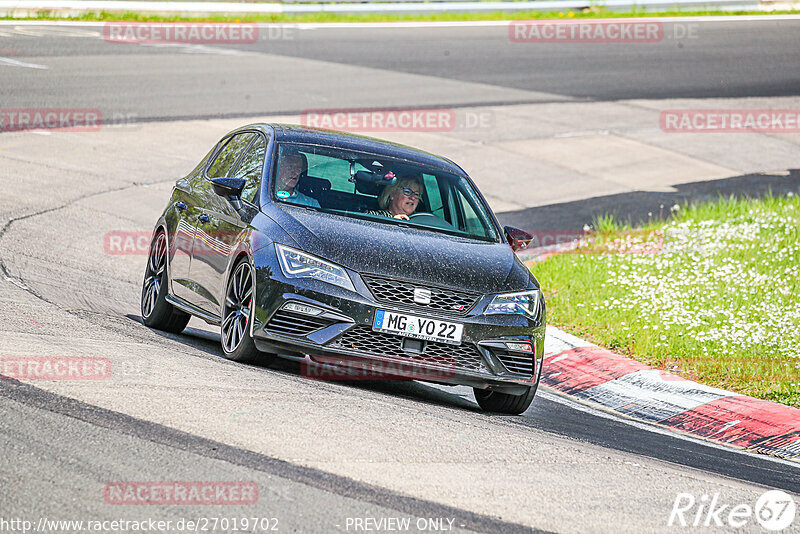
(422, 296)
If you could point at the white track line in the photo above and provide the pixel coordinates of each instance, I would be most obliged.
(496, 23)
(435, 24)
(15, 63)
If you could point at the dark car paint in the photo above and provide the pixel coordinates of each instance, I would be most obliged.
(198, 282)
(405, 252)
(200, 279)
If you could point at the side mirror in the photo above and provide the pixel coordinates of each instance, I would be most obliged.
(518, 239)
(228, 187)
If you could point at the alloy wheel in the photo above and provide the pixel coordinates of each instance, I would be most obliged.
(237, 307)
(156, 264)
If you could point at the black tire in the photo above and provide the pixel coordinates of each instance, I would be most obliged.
(237, 345)
(156, 311)
(493, 401)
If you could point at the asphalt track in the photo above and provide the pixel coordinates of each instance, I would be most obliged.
(320, 452)
(158, 81)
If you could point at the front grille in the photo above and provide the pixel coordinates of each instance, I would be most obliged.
(402, 292)
(295, 324)
(517, 363)
(363, 339)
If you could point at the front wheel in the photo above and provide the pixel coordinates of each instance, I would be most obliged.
(237, 344)
(156, 311)
(494, 401)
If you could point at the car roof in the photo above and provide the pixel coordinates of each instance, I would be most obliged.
(293, 133)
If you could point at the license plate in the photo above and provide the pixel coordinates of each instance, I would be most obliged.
(418, 327)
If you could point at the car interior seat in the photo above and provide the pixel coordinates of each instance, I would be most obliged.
(316, 188)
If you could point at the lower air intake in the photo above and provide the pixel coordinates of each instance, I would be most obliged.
(288, 323)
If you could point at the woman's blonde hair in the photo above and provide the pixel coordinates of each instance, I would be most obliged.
(399, 185)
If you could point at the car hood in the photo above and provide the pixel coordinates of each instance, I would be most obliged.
(405, 252)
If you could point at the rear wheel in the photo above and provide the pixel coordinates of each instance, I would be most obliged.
(156, 311)
(494, 401)
(237, 312)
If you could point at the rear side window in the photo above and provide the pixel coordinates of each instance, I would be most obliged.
(227, 157)
(433, 193)
(335, 170)
(251, 167)
(471, 218)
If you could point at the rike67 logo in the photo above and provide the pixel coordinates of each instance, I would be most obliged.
(774, 510)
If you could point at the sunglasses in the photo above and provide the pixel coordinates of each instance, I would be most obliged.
(411, 193)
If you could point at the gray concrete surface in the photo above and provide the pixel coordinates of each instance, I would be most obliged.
(88, 459)
(425, 450)
(423, 443)
(555, 468)
(697, 58)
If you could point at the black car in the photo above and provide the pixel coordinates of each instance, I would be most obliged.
(351, 254)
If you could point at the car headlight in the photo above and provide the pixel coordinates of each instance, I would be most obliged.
(297, 264)
(523, 303)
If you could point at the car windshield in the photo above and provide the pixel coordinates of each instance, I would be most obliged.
(380, 188)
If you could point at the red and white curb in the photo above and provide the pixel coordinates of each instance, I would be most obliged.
(623, 386)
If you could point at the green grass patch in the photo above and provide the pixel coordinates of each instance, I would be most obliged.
(589, 13)
(711, 294)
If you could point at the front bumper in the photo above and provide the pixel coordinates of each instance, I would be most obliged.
(341, 336)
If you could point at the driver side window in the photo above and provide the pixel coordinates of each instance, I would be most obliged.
(228, 155)
(433, 194)
(251, 167)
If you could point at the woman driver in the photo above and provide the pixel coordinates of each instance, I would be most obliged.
(400, 199)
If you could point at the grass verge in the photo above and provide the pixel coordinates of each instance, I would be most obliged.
(711, 294)
(589, 13)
